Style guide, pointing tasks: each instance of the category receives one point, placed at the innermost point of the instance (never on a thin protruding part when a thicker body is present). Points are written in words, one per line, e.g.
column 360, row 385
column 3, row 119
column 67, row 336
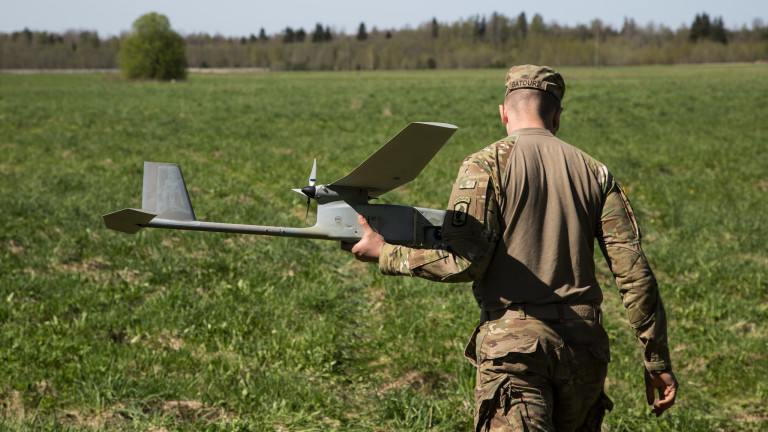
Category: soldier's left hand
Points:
column 666, row 385
column 369, row 247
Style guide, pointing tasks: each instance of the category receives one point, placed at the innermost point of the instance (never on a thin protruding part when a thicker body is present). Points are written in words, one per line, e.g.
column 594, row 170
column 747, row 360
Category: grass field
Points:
column 169, row 330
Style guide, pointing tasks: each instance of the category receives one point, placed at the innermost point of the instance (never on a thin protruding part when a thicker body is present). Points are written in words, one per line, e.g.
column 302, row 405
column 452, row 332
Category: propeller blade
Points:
column 309, row 190
column 313, row 174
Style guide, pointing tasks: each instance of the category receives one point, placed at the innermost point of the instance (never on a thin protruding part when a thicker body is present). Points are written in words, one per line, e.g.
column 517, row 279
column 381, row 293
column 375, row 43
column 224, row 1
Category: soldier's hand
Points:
column 369, row 247
column 666, row 385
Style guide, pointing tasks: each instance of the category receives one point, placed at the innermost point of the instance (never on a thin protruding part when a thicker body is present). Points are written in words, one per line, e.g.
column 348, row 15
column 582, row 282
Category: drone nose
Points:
column 309, row 191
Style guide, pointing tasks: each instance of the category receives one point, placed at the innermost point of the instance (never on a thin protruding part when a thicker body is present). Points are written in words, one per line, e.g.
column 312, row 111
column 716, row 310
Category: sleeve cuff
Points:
column 658, row 366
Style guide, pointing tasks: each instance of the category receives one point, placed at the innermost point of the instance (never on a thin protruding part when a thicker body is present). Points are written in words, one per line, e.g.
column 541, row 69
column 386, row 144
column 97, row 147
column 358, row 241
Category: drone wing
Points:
column 400, row 160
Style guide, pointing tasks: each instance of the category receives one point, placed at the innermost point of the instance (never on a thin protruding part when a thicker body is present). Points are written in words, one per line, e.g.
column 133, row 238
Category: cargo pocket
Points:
column 526, row 408
column 487, row 398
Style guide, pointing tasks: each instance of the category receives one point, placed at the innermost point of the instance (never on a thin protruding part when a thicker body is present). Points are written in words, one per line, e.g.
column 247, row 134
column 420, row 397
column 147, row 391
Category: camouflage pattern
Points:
column 535, row 77
column 537, row 375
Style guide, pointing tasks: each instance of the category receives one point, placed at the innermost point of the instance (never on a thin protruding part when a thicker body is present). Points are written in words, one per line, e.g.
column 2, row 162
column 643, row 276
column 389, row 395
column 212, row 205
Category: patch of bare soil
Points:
column 422, row 381
column 183, row 412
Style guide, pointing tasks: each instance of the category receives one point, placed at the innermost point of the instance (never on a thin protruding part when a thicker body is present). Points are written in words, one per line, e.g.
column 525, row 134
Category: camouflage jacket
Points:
column 521, row 223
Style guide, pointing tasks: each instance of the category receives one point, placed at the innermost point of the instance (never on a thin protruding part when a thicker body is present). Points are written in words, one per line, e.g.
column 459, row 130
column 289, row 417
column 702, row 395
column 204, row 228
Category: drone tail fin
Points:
column 165, row 193
column 164, row 197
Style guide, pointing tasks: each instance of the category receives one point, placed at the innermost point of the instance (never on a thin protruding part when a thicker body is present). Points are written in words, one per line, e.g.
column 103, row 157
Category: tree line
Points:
column 475, row 42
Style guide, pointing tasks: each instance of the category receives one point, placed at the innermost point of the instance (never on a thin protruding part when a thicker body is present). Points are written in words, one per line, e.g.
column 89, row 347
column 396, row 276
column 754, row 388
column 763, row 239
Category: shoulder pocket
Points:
column 466, row 209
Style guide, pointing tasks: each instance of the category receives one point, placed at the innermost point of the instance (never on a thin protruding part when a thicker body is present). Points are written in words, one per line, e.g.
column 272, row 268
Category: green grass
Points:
column 170, row 330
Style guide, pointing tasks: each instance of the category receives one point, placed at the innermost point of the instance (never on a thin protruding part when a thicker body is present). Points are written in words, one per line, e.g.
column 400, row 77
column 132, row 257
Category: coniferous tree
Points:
column 301, row 35
column 717, row 31
column 480, row 28
column 522, row 25
column 289, row 36
column 362, row 34
column 703, row 28
column 700, row 28
column 319, row 34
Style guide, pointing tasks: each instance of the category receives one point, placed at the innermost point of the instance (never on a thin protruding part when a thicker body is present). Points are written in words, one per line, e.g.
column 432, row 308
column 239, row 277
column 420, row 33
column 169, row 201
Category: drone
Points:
column 166, row 203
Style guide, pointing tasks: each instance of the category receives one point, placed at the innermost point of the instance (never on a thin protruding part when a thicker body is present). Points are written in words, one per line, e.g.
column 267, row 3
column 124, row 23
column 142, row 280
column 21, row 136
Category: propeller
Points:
column 309, row 190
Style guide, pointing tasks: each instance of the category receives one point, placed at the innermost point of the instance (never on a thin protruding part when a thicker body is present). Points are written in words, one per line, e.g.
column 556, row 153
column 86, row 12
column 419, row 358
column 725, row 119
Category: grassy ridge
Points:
column 167, row 329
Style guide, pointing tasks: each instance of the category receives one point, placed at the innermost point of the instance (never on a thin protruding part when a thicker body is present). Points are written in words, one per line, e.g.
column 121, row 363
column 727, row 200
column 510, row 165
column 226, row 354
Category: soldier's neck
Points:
column 526, row 123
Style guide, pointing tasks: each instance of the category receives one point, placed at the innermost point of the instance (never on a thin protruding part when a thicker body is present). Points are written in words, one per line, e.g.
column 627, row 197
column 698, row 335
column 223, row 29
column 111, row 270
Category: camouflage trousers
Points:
column 535, row 375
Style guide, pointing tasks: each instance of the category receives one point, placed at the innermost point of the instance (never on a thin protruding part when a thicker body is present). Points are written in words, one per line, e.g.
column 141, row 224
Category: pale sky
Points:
column 244, row 17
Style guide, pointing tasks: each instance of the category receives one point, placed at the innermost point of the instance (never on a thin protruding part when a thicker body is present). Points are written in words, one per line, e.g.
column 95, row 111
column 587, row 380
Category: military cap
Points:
column 535, row 77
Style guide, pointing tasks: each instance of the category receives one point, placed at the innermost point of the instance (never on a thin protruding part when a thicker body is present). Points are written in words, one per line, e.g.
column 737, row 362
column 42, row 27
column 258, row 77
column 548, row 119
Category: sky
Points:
column 245, row 17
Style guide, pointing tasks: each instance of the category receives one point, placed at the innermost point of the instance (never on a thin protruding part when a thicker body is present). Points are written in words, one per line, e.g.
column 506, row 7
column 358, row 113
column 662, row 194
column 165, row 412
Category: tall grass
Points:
column 169, row 330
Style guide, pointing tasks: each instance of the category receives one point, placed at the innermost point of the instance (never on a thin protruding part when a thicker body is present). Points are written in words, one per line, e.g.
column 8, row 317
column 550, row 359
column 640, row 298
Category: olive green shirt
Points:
column 521, row 224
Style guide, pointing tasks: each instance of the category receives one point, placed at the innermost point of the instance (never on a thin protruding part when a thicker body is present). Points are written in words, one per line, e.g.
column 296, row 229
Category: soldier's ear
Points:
column 503, row 114
column 556, row 120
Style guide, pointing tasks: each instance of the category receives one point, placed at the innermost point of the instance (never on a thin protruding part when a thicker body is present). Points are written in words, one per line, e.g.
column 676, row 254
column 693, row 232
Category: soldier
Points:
column 521, row 224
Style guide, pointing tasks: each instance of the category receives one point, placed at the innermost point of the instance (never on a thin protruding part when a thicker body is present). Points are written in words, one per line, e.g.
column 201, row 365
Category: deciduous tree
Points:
column 153, row 50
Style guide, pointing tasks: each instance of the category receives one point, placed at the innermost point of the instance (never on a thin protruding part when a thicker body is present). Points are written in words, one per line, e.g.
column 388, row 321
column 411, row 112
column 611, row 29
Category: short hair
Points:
column 525, row 99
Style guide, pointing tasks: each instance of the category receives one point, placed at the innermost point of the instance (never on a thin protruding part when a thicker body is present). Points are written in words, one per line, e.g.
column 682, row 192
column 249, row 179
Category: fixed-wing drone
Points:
column 166, row 204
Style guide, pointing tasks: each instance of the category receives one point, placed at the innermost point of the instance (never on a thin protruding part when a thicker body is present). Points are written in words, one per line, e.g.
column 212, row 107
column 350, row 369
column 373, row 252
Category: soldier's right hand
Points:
column 369, row 246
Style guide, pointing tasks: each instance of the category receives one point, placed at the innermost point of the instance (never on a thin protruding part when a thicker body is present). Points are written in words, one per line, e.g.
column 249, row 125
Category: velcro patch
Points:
column 460, row 210
column 468, row 184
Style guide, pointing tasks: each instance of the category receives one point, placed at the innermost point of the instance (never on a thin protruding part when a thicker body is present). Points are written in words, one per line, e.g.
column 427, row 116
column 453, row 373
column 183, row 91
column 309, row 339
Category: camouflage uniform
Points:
column 521, row 223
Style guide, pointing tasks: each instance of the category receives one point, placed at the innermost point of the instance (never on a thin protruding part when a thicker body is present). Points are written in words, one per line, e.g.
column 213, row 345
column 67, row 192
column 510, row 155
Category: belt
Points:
column 552, row 311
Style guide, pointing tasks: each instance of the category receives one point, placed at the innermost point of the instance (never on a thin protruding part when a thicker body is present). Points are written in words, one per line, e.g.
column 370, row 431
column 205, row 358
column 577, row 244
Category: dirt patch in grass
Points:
column 169, row 340
column 376, row 299
column 425, row 382
column 192, row 412
column 13, row 405
column 15, row 248
column 94, row 270
column 182, row 412
column 756, row 259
